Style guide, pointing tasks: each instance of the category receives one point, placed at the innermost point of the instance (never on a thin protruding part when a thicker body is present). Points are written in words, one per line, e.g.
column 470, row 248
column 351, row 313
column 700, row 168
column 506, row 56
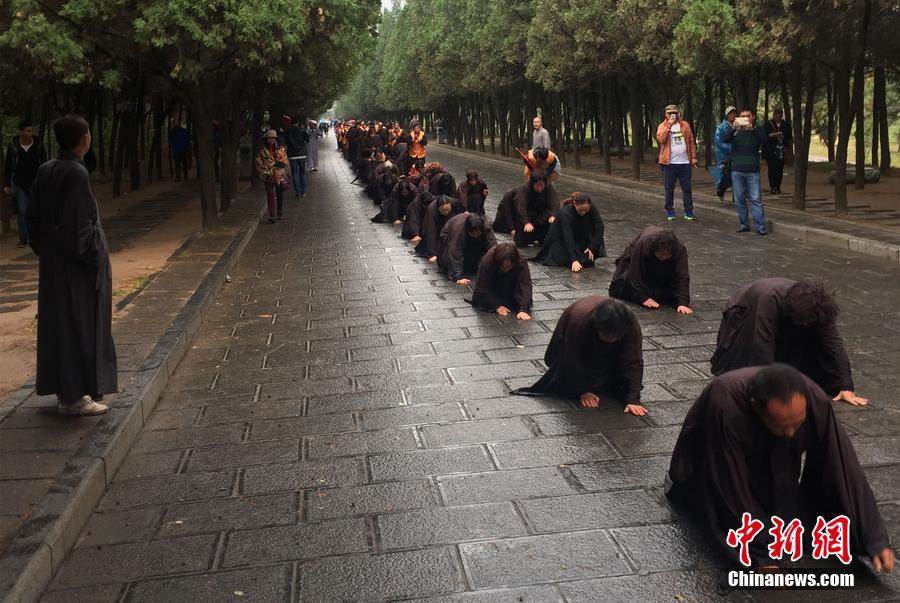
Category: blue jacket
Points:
column 723, row 149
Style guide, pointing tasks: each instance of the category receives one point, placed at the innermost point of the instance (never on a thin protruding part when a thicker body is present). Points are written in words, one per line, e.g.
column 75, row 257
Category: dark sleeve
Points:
column 728, row 134
column 462, row 193
column 635, row 274
column 430, row 234
column 681, row 279
column 833, row 477
column 552, row 201
column 483, row 296
column 490, row 239
column 630, row 365
column 454, row 251
column 8, row 166
column 78, row 234
column 390, row 207
column 568, row 236
column 521, row 205
column 597, row 243
column 33, row 216
column 835, row 363
column 414, row 216
column 522, row 293
column 424, row 141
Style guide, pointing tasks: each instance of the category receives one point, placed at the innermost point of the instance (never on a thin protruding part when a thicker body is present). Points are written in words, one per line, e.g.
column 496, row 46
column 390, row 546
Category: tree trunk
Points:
column 831, row 109
column 803, row 134
column 607, row 126
column 101, row 141
column 845, row 117
column 880, row 101
column 637, row 127
column 205, row 166
column 255, row 144
column 859, row 87
column 708, row 120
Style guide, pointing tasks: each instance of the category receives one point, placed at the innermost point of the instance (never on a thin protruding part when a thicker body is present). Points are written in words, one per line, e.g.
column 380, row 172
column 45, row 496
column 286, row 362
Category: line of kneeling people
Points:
column 762, row 437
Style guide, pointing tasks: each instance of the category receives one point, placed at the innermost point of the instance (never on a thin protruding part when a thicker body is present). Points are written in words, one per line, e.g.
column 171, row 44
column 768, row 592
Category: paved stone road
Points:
column 342, row 431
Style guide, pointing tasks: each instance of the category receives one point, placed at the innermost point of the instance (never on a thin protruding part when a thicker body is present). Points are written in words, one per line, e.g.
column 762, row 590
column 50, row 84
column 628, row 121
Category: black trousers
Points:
column 776, row 172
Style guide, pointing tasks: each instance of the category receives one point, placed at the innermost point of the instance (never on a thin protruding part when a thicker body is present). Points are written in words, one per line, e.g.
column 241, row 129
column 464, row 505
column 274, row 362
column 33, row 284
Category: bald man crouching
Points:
column 741, row 451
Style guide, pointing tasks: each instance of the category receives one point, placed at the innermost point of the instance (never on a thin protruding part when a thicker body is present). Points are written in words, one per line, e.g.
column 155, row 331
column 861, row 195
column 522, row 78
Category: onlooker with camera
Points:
column 723, row 152
column 76, row 356
column 779, row 137
column 746, row 140
column 24, row 155
column 677, row 153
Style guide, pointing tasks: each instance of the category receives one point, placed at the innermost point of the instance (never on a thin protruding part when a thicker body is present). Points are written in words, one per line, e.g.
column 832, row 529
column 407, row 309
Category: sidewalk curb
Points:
column 649, row 194
column 42, row 543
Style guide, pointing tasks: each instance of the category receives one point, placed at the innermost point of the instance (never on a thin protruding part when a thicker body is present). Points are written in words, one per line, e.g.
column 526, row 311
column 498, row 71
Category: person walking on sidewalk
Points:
column 76, row 356
column 296, row 143
column 312, row 155
column 24, row 156
column 746, row 140
column 540, row 137
column 270, row 164
column 677, row 153
column 723, row 153
column 779, row 137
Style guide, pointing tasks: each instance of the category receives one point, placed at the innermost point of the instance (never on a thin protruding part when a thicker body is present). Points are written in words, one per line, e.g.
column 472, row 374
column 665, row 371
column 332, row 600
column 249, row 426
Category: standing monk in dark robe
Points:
column 595, row 353
column 472, row 192
column 436, row 215
column 782, row 320
column 534, row 210
column 464, row 240
column 394, row 208
column 76, row 357
column 741, row 451
column 576, row 237
column 503, row 283
column 653, row 271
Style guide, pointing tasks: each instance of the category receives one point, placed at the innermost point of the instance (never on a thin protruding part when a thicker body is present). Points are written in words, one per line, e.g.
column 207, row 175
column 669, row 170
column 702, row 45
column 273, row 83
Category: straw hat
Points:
column 271, row 134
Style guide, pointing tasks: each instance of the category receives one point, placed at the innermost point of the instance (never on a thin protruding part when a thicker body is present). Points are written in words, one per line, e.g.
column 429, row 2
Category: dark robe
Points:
column 395, row 207
column 432, row 223
column 384, row 178
column 458, row 253
column 639, row 275
column 75, row 351
column 439, row 184
column 570, row 235
column 473, row 196
column 503, row 221
column 755, row 332
column 494, row 288
column 579, row 362
column 534, row 208
column 415, row 215
column 726, row 462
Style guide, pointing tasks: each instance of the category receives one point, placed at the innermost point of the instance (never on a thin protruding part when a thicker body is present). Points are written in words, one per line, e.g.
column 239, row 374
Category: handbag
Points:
column 279, row 175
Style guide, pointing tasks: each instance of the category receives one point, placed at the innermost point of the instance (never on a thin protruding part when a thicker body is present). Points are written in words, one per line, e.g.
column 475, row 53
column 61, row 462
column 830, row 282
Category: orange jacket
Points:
column 417, row 147
column 546, row 166
column 662, row 137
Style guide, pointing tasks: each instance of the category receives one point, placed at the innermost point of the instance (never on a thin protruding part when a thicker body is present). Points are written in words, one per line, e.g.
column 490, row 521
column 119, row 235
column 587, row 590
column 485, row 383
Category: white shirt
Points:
column 26, row 147
column 677, row 148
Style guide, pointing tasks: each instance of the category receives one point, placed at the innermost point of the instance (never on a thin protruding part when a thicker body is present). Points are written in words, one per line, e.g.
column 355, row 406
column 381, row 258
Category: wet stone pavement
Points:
column 341, row 429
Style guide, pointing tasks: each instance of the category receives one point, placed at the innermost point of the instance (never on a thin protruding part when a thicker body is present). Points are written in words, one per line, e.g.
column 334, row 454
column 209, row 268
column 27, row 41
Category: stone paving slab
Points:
column 342, row 430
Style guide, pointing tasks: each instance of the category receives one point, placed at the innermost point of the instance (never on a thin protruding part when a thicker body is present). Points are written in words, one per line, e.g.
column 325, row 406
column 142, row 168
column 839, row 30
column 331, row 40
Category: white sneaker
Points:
column 84, row 407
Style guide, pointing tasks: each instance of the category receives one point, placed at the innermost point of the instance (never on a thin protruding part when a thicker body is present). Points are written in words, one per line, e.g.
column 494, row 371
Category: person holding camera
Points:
column 677, row 153
column 746, row 140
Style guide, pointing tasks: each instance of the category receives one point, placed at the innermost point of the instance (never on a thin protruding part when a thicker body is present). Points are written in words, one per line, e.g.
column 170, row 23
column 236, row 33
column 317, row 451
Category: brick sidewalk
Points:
column 341, row 429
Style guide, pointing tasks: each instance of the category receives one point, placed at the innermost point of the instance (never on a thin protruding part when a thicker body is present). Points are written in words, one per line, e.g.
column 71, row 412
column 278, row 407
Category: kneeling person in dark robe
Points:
column 653, row 271
column 534, row 210
column 576, row 237
column 595, row 353
column 76, row 356
column 436, row 216
column 503, row 283
column 464, row 240
column 782, row 320
column 742, row 448
column 472, row 193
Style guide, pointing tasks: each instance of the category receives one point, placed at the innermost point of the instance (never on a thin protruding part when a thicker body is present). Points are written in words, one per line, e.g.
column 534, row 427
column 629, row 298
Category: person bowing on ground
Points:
column 765, row 441
column 576, row 237
column 472, row 192
column 595, row 355
column 464, row 240
column 503, row 283
column 436, row 215
column 653, row 271
column 783, row 320
column 534, row 210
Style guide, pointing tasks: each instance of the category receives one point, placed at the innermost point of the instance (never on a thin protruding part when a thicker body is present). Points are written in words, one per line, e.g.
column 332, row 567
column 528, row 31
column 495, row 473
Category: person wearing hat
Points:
column 723, row 152
column 677, row 153
column 270, row 164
